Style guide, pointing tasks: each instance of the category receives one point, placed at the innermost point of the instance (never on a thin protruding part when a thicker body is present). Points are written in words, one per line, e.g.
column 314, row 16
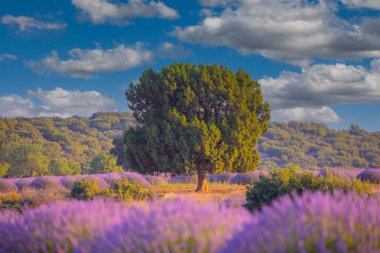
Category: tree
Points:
column 104, row 163
column 62, row 167
column 195, row 119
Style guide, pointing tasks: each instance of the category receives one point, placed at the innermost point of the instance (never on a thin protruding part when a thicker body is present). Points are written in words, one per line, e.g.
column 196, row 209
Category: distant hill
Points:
column 34, row 146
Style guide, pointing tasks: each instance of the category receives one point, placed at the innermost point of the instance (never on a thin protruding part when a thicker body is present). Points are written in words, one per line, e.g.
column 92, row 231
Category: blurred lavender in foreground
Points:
column 313, row 222
column 174, row 226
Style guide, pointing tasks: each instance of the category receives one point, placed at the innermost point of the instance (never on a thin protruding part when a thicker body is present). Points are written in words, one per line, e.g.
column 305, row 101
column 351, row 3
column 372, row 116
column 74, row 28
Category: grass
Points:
column 217, row 192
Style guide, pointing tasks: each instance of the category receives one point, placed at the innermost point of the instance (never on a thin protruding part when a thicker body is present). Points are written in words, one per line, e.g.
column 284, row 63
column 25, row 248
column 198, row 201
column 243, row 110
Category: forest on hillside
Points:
column 57, row 146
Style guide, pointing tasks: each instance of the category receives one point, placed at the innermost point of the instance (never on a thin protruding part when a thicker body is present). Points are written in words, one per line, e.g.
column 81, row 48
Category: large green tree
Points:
column 195, row 118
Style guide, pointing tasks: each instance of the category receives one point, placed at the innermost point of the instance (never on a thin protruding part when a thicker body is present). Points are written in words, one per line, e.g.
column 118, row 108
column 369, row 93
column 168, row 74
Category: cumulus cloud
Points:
column 7, row 57
column 307, row 95
column 101, row 11
column 372, row 4
column 28, row 23
column 84, row 63
column 291, row 31
column 171, row 51
column 58, row 102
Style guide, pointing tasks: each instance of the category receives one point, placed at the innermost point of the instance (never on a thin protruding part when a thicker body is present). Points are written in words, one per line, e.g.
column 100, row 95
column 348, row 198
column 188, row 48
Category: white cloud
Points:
column 171, row 51
column 216, row 3
column 291, row 31
column 372, row 4
column 7, row 57
column 101, row 11
column 84, row 63
column 308, row 95
column 322, row 114
column 28, row 23
column 57, row 102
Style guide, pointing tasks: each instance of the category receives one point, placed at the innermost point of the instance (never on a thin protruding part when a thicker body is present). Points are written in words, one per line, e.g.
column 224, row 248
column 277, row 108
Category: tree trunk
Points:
column 202, row 182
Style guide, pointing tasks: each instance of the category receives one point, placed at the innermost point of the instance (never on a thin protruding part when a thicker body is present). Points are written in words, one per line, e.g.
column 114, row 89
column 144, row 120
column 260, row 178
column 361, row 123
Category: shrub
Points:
column 57, row 228
column 155, row 180
column 370, row 175
column 221, row 178
column 68, row 181
column 99, row 180
column 125, row 190
column 183, row 179
column 313, row 222
column 135, row 178
column 341, row 172
column 45, row 183
column 7, row 186
column 174, row 226
column 286, row 181
column 36, row 197
column 24, row 182
column 11, row 200
column 246, row 178
column 85, row 189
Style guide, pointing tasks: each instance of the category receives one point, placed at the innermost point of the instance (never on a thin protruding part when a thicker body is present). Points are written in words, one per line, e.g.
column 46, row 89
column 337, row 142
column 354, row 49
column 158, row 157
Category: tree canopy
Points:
column 195, row 118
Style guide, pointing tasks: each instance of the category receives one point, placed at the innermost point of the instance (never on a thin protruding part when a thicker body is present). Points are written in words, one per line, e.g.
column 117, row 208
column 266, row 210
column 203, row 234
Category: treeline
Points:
column 312, row 145
column 56, row 146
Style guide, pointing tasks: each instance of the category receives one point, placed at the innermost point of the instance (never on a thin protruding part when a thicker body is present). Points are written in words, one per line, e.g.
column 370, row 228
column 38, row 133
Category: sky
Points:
column 316, row 60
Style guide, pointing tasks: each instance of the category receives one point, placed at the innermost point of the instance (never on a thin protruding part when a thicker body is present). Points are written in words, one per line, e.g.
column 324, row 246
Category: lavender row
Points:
column 313, row 222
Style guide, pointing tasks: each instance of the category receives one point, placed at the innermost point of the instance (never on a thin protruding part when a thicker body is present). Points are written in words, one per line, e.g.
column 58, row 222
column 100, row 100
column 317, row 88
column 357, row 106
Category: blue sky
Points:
column 316, row 60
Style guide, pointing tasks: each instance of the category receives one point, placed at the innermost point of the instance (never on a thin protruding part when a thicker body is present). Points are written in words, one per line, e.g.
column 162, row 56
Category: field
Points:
column 129, row 212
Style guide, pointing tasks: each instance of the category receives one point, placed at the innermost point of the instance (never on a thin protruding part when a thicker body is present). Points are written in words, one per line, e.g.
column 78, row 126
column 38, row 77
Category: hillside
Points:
column 43, row 146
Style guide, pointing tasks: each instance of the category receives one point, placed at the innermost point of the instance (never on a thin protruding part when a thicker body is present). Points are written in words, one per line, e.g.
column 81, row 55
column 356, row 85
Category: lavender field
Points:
column 175, row 220
column 313, row 222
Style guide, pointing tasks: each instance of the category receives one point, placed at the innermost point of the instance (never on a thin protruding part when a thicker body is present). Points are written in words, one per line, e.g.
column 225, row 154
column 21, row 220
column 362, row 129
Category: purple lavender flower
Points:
column 341, row 172
column 183, row 179
column 313, row 222
column 175, row 226
column 135, row 178
column 370, row 175
column 46, row 182
column 247, row 178
column 7, row 185
column 24, row 182
column 221, row 178
column 57, row 228
column 155, row 180
column 68, row 181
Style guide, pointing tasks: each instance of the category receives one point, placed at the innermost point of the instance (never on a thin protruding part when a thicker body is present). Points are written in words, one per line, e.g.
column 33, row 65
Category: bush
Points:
column 370, row 175
column 221, row 178
column 183, row 179
column 313, row 222
column 85, row 189
column 155, row 180
column 246, row 178
column 135, row 178
column 286, row 181
column 11, row 200
column 46, row 183
column 341, row 172
column 125, row 190
column 7, row 186
column 99, row 180
column 174, row 226
column 68, row 181
column 24, row 182
column 36, row 197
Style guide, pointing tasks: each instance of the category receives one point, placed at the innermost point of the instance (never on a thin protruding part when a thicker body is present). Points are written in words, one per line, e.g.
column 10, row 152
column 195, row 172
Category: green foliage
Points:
column 195, row 118
column 56, row 146
column 126, row 190
column 85, row 189
column 4, row 168
column 104, row 163
column 313, row 145
column 286, row 181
